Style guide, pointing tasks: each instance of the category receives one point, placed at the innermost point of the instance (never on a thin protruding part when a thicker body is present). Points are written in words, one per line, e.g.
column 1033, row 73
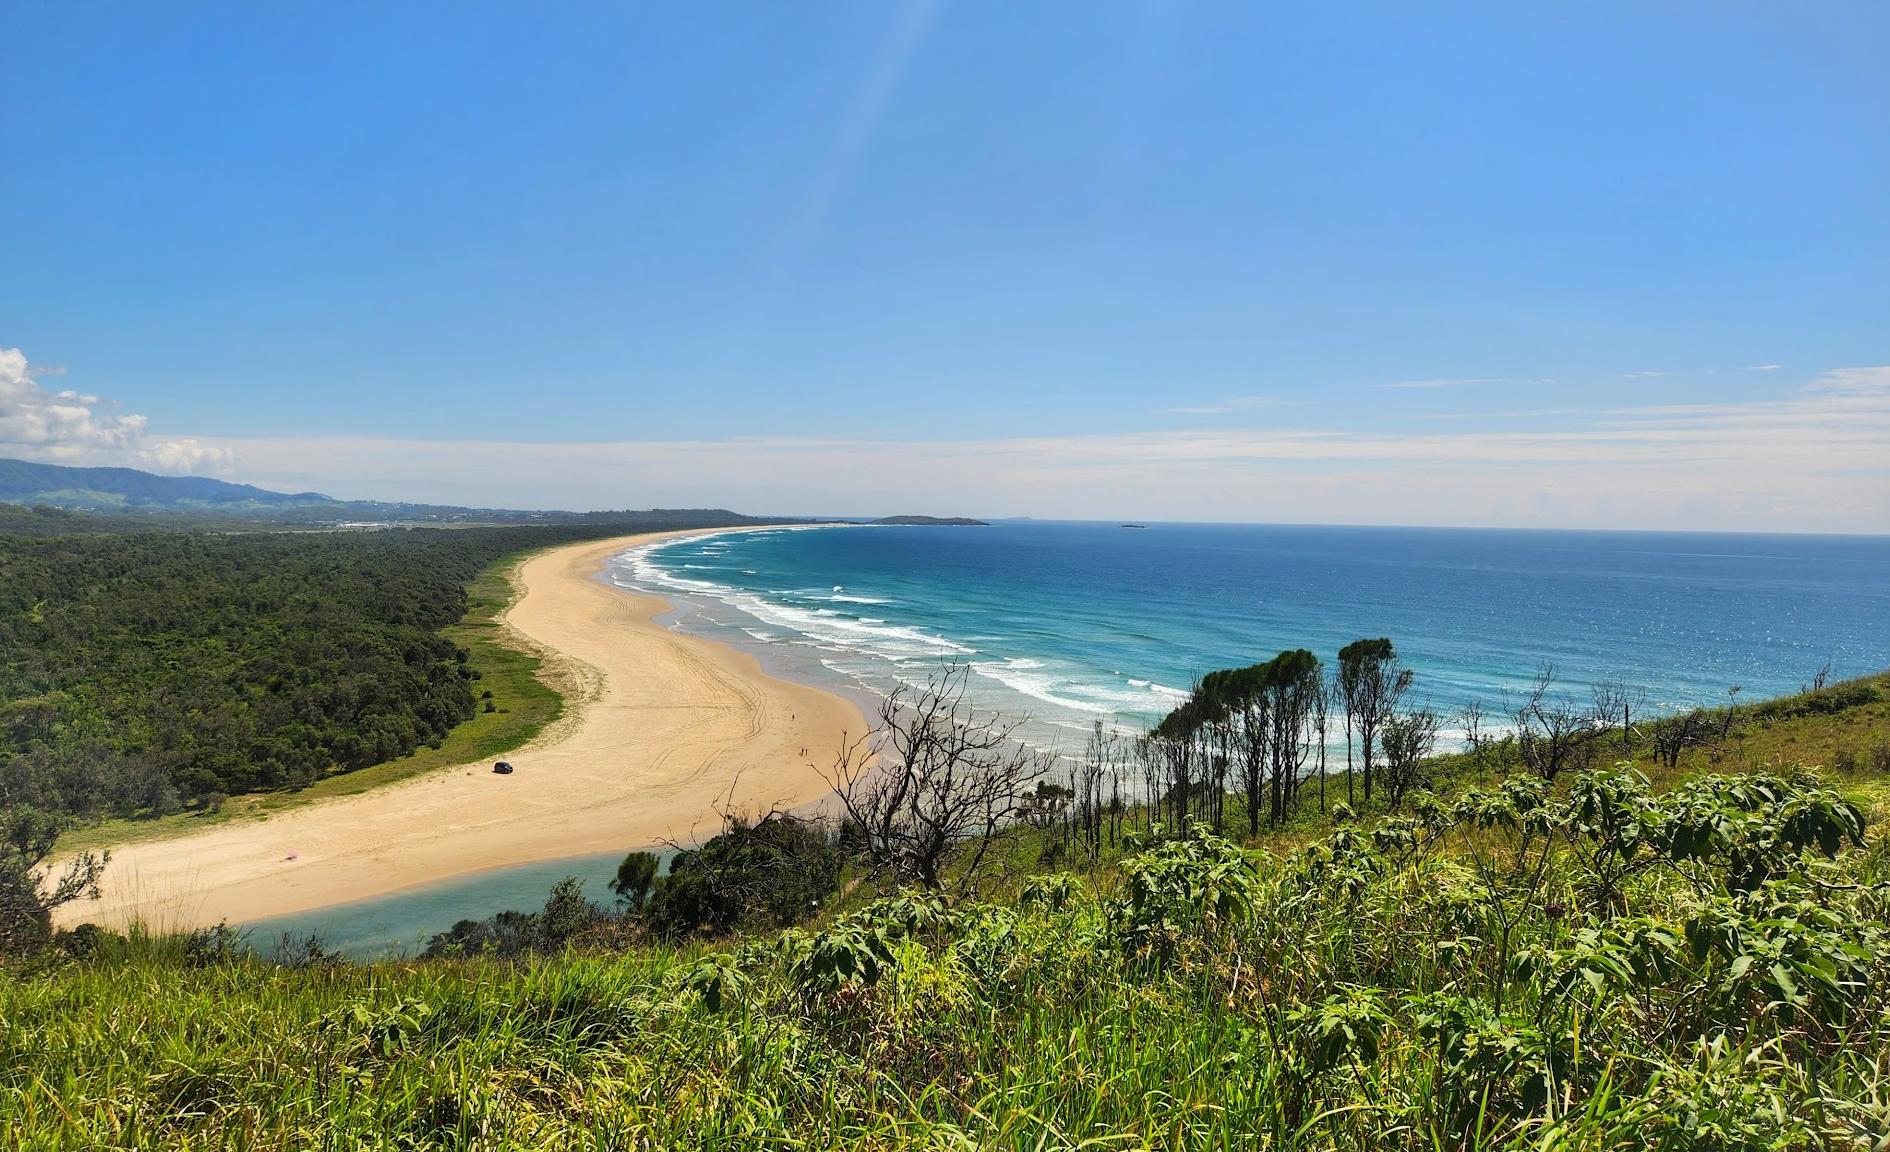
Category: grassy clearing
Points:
column 522, row 706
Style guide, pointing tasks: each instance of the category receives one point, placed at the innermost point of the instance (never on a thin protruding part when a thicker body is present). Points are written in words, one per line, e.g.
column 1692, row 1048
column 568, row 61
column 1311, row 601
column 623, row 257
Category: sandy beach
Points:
column 657, row 728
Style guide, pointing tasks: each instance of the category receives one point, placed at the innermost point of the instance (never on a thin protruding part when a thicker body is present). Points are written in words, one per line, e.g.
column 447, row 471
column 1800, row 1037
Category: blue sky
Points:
column 1581, row 264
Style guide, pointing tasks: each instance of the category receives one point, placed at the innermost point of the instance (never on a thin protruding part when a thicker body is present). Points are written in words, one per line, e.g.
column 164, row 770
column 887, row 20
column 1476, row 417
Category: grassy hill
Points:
column 1695, row 957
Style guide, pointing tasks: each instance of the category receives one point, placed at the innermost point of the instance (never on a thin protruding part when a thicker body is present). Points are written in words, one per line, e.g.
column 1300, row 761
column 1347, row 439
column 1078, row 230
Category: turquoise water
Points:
column 1073, row 623
column 400, row 924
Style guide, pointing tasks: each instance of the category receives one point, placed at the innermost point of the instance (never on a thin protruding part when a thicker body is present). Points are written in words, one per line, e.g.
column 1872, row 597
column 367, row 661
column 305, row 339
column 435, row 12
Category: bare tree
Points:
column 1732, row 708
column 1822, row 675
column 1087, row 782
column 1407, row 741
column 934, row 777
column 1474, row 736
column 1675, row 734
column 1609, row 707
column 1552, row 732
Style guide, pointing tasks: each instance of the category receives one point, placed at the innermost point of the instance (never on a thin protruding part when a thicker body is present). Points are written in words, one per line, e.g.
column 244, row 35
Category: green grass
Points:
column 1313, row 1002
column 523, row 706
column 1319, row 990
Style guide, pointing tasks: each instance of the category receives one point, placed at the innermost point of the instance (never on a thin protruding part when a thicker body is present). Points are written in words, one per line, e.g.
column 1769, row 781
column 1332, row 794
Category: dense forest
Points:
column 143, row 671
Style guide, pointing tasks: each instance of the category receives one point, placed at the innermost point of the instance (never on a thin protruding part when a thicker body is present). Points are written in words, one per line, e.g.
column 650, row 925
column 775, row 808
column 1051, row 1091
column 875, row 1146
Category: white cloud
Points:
column 1816, row 459
column 183, row 457
column 68, row 427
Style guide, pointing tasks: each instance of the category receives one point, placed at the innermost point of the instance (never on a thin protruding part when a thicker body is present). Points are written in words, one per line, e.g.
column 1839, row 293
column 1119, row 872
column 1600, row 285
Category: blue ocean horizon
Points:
column 1072, row 623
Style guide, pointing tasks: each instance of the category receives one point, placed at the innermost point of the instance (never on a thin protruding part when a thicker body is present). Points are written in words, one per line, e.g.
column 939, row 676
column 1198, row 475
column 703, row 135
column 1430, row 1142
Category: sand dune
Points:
column 658, row 727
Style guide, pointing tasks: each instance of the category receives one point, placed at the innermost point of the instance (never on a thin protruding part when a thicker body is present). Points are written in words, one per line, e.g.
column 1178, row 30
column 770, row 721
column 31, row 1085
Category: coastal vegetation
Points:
column 1281, row 917
column 1605, row 968
column 1626, row 955
column 153, row 679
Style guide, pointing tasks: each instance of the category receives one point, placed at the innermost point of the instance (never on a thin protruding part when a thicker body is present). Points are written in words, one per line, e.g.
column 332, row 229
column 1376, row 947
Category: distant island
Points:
column 1135, row 525
column 944, row 521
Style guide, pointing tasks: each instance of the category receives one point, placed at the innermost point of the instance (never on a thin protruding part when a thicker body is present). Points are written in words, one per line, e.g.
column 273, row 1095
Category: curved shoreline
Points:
column 659, row 729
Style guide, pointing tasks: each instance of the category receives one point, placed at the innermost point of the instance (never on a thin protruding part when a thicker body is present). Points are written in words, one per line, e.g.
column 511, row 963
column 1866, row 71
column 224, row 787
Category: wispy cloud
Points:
column 1663, row 374
column 1816, row 458
column 1223, row 407
column 69, row 427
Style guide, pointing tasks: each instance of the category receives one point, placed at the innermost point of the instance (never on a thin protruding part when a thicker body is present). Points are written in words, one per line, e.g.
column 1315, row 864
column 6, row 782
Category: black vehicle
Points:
column 502, row 768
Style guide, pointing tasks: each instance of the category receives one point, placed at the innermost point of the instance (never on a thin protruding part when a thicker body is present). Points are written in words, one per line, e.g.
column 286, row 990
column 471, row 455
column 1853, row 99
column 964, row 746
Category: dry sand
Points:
column 658, row 727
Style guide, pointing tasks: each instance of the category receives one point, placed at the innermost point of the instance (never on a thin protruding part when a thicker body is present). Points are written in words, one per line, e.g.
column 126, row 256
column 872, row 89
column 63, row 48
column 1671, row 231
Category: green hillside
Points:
column 1625, row 959
column 24, row 482
column 125, row 499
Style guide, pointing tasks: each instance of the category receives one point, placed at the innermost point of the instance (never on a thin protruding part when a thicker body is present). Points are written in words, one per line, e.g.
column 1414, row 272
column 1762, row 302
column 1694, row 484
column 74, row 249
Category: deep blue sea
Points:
column 1069, row 623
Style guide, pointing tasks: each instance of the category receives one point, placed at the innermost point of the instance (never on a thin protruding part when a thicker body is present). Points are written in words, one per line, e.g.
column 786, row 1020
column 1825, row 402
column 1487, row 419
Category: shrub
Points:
column 1186, row 886
column 566, row 916
column 768, row 874
column 635, row 876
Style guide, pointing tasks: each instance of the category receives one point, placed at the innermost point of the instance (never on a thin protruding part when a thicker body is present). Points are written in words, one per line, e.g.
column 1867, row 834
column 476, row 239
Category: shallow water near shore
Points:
column 400, row 924
column 1075, row 623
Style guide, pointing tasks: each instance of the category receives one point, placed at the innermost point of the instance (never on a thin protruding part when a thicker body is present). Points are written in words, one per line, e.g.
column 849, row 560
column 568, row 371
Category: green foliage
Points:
column 143, row 671
column 29, row 890
column 766, row 874
column 1185, row 886
column 566, row 916
column 635, row 877
column 1702, row 969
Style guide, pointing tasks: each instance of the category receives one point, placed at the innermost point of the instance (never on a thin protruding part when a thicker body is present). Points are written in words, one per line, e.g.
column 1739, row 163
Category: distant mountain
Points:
column 131, row 498
column 947, row 521
column 23, row 482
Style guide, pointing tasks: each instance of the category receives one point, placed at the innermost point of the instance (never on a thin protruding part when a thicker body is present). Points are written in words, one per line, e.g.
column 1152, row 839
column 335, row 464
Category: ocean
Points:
column 1070, row 623
column 1067, row 624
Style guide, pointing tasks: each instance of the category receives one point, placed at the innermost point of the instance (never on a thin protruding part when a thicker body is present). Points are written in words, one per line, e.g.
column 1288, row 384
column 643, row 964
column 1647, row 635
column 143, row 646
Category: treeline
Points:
column 144, row 671
column 1247, row 746
column 1252, row 746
